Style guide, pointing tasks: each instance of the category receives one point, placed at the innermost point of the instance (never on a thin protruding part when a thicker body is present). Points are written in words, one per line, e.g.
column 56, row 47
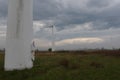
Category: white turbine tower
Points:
column 19, row 35
column 53, row 37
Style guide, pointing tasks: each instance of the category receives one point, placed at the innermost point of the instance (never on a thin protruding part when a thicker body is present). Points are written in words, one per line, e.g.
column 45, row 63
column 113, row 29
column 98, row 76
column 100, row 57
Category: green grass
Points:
column 67, row 67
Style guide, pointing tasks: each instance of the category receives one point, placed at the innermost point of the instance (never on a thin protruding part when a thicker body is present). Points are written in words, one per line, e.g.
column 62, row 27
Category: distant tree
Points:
column 50, row 49
column 119, row 49
column 102, row 48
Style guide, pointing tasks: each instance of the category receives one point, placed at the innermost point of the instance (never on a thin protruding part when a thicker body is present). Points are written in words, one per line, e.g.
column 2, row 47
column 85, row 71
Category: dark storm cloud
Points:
column 103, row 14
column 96, row 3
column 45, row 9
column 100, row 13
column 3, row 8
column 73, row 19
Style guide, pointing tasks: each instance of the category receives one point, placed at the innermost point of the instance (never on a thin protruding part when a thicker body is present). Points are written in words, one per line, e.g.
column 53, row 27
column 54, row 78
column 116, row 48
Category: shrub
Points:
column 50, row 49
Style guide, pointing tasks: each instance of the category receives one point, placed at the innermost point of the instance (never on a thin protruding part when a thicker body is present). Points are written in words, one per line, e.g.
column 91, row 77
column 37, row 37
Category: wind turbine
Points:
column 19, row 35
column 53, row 37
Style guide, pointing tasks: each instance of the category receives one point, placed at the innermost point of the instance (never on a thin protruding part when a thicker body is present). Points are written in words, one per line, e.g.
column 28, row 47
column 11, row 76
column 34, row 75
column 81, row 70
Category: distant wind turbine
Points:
column 53, row 37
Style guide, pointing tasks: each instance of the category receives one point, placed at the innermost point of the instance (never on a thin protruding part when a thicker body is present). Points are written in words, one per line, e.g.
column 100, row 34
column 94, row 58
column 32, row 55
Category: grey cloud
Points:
column 75, row 13
column 98, row 4
column 45, row 9
column 63, row 17
column 3, row 8
column 66, row 14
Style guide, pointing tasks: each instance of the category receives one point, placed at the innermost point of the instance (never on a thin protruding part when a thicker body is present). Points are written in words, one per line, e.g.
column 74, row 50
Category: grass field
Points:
column 78, row 65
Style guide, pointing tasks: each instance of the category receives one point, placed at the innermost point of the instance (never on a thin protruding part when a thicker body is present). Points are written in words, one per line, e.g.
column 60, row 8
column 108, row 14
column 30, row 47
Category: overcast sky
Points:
column 79, row 23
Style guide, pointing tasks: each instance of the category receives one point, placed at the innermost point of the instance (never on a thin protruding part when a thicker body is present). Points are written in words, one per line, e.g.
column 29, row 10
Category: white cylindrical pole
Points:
column 53, row 39
column 19, row 35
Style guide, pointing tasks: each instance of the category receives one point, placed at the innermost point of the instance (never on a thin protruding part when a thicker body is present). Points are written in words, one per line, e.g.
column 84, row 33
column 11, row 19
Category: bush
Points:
column 50, row 49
